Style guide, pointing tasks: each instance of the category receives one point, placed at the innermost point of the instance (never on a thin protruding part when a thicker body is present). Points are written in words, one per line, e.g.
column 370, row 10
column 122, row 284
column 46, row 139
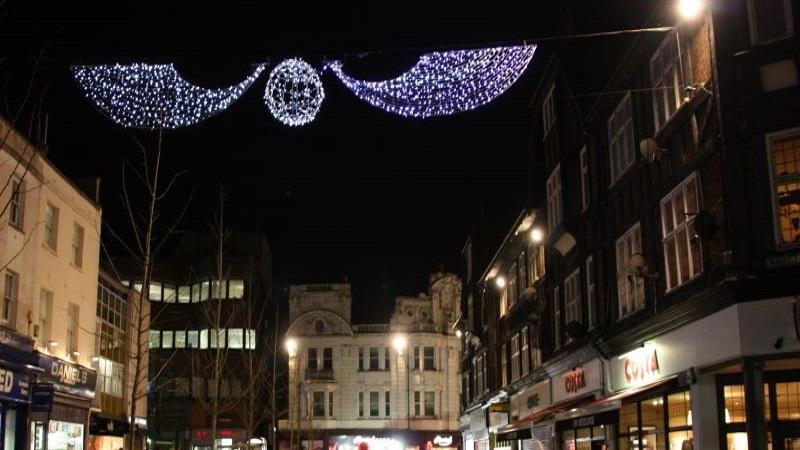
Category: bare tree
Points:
column 142, row 196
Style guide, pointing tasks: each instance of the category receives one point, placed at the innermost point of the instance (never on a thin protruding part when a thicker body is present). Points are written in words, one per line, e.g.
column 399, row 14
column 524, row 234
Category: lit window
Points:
column 166, row 339
column 770, row 20
column 155, row 339
column 236, row 338
column 681, row 252
column 196, row 293
column 548, row 111
column 666, row 79
column 251, row 339
column 218, row 289
column 236, row 289
column 184, row 294
column 180, row 339
column 523, row 336
column 51, row 226
column 784, row 149
column 555, row 208
column 514, row 357
column 535, row 263
column 77, row 246
column 620, row 138
column 169, row 293
column 155, row 291
column 503, row 301
column 630, row 288
column 204, row 339
column 572, row 297
column 585, row 186
column 193, row 339
column 204, row 290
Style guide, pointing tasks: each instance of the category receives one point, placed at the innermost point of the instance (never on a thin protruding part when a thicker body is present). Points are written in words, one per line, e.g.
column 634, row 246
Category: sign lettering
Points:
column 443, row 441
column 574, row 381
column 533, row 401
column 641, row 365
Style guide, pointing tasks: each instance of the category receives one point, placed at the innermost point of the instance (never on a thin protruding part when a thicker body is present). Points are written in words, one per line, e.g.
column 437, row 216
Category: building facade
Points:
column 207, row 341
column 392, row 385
column 663, row 312
column 49, row 245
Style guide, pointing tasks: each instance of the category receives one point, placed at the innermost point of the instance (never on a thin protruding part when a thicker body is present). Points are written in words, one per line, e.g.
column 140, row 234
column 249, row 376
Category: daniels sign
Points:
column 641, row 365
column 67, row 376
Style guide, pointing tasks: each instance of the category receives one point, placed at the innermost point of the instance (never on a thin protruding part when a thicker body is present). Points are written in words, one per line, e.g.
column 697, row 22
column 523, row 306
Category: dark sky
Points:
column 380, row 198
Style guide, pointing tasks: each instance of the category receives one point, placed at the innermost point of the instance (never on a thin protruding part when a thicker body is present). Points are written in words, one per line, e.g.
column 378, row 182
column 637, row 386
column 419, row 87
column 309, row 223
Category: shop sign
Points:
column 603, row 418
column 42, row 398
column 67, row 376
column 443, row 441
column 530, row 400
column 14, row 385
column 15, row 340
column 785, row 260
column 641, row 365
column 579, row 381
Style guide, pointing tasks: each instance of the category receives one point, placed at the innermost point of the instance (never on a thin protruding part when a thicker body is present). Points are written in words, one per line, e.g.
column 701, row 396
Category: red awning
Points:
column 551, row 410
column 636, row 390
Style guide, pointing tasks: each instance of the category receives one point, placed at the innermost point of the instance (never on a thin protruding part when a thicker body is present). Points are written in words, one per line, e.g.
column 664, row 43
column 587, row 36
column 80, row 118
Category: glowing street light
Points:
column 689, row 9
column 291, row 347
column 500, row 282
column 400, row 342
column 459, row 333
column 537, row 235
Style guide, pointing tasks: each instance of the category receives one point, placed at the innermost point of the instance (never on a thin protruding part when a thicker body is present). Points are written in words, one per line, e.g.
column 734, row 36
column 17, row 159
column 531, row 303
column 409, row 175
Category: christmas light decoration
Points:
column 154, row 96
column 294, row 92
column 444, row 83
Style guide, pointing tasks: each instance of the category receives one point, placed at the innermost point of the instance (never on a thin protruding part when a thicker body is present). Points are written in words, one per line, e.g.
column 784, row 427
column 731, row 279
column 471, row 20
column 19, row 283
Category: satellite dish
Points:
column 475, row 341
column 637, row 265
column 650, row 150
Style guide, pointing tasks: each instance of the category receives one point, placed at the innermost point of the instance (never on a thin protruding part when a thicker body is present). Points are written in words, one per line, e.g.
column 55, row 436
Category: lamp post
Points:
column 400, row 343
column 291, row 349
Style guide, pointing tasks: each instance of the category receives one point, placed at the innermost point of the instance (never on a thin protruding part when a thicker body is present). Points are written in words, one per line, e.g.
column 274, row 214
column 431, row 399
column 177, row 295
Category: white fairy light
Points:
column 444, row 83
column 294, row 92
column 154, row 96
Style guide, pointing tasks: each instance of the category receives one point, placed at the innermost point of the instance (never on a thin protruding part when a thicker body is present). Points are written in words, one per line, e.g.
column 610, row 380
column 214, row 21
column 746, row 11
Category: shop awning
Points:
column 635, row 390
column 545, row 414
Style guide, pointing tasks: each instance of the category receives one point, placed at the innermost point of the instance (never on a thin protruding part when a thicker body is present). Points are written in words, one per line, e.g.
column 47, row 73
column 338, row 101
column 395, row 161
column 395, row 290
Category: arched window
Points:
column 319, row 326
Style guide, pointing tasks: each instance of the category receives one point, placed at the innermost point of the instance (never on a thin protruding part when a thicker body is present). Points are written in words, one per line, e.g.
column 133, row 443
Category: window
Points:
column 666, row 80
column 73, row 313
column 45, row 313
column 196, row 293
column 503, row 302
column 180, row 339
column 557, row 317
column 204, row 290
column 572, row 297
column 784, row 151
column 548, row 112
column 155, row 339
column 330, row 404
column 770, row 20
column 478, row 363
column 51, row 226
column 504, row 364
column 417, row 359
column 555, row 209
column 360, row 404
column 236, row 338
column 327, row 358
column 536, row 354
column 251, row 339
column 522, row 273
column 681, row 251
column 236, row 289
column 430, row 358
column 184, row 294
column 318, row 404
column 662, row 422
column 169, row 293
column 512, row 287
column 386, row 364
column 193, row 339
column 374, row 358
column 591, row 295
column 524, row 351
column 311, row 363
column 319, row 327
column 203, row 339
column 77, row 246
column 387, row 404
column 218, row 289
column 630, row 289
column 585, row 186
column 535, row 263
column 430, row 404
column 374, row 407
column 16, row 207
column 620, row 138
column 10, row 295
column 166, row 339
column 417, row 403
column 155, row 291
column 514, row 357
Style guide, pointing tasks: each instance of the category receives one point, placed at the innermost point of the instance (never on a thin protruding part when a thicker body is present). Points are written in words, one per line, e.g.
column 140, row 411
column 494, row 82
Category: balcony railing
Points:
column 387, row 328
column 319, row 374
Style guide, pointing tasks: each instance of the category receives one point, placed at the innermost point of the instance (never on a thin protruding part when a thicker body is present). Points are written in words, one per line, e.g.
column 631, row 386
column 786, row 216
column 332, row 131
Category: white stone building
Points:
column 49, row 255
column 393, row 385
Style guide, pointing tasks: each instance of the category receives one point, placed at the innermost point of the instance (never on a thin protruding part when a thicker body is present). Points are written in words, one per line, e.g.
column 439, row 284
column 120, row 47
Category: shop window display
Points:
column 65, row 436
column 661, row 422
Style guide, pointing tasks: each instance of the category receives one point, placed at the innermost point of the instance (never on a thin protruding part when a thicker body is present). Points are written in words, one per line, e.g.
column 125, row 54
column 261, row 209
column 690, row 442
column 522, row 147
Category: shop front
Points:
column 382, row 440
column 581, row 423
column 61, row 400
column 226, row 438
column 106, row 433
column 16, row 353
column 479, row 424
column 524, row 406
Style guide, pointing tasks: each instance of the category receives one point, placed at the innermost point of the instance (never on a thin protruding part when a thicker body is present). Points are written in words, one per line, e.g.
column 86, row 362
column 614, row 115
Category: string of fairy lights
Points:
column 441, row 83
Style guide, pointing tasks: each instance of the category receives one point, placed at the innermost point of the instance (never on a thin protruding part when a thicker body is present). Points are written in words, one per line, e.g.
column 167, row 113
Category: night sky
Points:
column 382, row 199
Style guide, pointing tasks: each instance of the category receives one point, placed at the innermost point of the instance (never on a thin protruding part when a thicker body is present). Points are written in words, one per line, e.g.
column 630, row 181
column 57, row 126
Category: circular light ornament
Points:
column 294, row 92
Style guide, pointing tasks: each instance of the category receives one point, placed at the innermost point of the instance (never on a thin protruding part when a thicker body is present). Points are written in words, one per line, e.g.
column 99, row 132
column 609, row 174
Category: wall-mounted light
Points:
column 537, row 235
column 52, row 343
column 500, row 282
column 689, row 9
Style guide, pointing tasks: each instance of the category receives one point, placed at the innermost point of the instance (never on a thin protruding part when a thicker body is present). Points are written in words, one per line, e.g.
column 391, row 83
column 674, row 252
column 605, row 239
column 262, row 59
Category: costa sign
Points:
column 641, row 365
column 574, row 381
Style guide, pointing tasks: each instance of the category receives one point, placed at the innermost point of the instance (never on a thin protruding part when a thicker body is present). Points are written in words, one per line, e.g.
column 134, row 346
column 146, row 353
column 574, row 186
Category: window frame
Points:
column 51, row 219
column 623, row 274
column 788, row 19
column 16, row 205
column 525, row 357
column 775, row 181
column 555, row 201
column 657, row 78
column 573, row 300
column 504, row 364
column 515, row 358
column 549, row 113
column 10, row 298
column 78, row 239
column 557, row 342
column 617, row 135
column 687, row 227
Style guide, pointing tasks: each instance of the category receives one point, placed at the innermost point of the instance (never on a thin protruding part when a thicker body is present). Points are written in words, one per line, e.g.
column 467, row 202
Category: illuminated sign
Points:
column 574, row 381
column 443, row 441
column 641, row 365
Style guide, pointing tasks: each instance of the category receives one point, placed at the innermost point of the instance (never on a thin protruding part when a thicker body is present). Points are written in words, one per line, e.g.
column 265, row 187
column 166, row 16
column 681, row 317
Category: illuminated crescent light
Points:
column 154, row 96
column 444, row 83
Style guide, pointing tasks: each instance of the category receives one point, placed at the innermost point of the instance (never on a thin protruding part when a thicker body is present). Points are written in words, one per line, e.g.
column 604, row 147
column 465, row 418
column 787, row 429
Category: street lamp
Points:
column 689, row 9
column 291, row 347
column 400, row 342
column 537, row 235
column 500, row 282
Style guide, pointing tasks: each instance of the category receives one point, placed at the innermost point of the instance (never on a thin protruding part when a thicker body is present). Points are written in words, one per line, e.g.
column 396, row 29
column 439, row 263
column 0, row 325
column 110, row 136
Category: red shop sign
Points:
column 574, row 381
column 641, row 365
